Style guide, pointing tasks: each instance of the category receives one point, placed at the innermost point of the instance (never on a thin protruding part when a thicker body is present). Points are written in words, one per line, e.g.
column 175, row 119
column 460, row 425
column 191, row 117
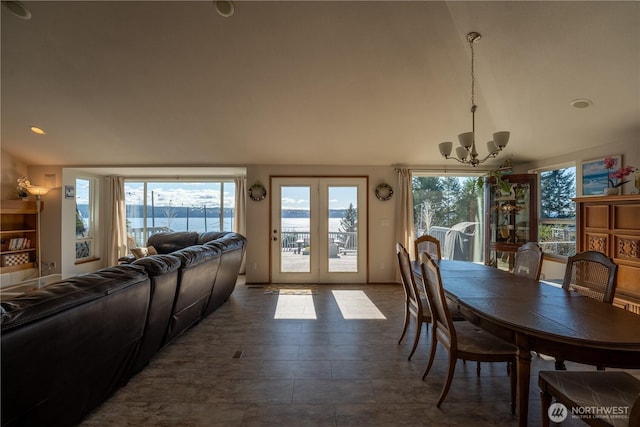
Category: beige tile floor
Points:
column 326, row 371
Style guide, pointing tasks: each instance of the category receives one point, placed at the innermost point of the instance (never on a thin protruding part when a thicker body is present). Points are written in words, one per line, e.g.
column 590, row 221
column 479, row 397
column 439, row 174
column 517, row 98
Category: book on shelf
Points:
column 19, row 243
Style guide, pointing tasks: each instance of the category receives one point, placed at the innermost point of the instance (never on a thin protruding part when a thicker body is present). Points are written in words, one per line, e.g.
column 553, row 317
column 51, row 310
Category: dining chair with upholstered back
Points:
column 588, row 389
column 428, row 244
column 414, row 306
column 462, row 340
column 593, row 274
column 528, row 261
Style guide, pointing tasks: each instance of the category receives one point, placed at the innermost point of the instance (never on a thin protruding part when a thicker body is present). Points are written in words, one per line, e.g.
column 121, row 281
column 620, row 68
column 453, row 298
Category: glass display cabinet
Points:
column 511, row 217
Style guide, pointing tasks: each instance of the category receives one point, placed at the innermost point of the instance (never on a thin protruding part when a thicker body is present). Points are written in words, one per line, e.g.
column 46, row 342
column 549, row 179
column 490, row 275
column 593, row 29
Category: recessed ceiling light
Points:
column 225, row 8
column 581, row 103
column 37, row 130
column 18, row 9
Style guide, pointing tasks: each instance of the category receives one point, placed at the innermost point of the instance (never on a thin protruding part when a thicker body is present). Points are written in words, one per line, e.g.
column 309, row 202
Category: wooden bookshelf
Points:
column 18, row 222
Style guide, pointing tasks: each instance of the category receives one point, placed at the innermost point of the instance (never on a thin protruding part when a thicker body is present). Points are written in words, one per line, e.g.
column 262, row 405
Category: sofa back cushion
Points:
column 165, row 243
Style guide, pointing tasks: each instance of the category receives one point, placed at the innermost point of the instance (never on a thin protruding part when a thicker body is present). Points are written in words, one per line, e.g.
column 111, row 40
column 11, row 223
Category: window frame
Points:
column 223, row 181
column 91, row 239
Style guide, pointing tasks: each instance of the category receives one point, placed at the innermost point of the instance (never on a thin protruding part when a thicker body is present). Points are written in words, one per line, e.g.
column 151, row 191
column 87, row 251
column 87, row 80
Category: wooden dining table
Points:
column 537, row 316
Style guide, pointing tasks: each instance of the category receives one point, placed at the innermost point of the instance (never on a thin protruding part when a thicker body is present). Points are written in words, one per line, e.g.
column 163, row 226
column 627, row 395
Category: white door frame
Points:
column 318, row 261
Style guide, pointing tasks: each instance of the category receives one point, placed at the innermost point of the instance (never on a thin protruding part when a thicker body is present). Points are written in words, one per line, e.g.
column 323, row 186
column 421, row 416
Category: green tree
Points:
column 557, row 188
column 349, row 222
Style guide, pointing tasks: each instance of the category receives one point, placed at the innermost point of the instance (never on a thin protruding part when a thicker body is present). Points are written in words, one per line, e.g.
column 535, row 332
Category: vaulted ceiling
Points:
column 351, row 83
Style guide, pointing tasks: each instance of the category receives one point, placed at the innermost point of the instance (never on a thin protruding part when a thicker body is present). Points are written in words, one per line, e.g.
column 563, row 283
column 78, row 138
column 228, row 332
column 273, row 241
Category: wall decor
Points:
column 69, row 192
column 257, row 192
column 384, row 192
column 595, row 177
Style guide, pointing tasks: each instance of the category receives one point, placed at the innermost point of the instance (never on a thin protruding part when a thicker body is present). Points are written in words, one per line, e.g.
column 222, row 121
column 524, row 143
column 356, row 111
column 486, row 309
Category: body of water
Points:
column 213, row 224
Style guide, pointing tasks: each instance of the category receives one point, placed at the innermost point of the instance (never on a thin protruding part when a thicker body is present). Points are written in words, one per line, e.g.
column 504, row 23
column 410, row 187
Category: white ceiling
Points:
column 351, row 83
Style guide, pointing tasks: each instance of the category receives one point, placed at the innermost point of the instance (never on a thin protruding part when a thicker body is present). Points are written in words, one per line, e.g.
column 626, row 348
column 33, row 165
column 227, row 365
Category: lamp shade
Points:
column 461, row 152
column 445, row 148
column 501, row 139
column 37, row 191
column 466, row 139
column 492, row 148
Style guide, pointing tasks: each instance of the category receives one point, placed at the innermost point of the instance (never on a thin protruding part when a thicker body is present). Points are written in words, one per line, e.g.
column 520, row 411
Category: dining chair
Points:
column 529, row 261
column 588, row 389
column 593, row 274
column 428, row 244
column 462, row 340
column 414, row 306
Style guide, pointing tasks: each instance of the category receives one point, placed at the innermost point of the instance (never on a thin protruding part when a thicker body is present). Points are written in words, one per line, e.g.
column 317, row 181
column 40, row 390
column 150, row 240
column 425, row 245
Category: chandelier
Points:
column 466, row 152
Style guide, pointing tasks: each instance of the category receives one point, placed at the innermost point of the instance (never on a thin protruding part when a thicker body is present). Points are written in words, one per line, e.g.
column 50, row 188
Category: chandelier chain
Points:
column 473, row 78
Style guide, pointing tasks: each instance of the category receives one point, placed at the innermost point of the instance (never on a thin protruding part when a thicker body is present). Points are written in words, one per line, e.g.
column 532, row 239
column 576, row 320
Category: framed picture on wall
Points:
column 595, row 176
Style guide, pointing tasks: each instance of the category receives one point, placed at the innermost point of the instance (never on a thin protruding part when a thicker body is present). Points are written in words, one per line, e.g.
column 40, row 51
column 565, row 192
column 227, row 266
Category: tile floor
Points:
column 326, row 371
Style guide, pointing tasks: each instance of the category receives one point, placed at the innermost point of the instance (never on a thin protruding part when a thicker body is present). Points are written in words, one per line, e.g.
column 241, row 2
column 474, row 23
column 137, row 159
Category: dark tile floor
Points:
column 328, row 371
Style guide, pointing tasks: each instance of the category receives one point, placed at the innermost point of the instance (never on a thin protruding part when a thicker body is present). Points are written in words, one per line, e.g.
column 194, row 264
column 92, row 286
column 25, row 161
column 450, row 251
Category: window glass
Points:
column 85, row 218
column 557, row 225
column 450, row 209
column 160, row 206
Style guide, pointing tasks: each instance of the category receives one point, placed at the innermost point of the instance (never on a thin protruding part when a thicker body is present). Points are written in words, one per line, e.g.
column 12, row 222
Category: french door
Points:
column 318, row 230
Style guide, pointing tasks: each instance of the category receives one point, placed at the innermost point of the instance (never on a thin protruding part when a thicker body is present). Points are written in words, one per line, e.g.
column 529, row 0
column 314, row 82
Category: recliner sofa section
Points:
column 68, row 346
column 163, row 275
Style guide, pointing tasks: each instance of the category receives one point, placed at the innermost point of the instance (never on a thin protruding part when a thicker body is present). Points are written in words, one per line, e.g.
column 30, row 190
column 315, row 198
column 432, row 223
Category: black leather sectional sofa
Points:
column 67, row 347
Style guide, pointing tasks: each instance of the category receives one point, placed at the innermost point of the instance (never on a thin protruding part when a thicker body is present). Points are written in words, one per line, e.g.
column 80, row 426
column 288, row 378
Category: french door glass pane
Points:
column 295, row 226
column 343, row 228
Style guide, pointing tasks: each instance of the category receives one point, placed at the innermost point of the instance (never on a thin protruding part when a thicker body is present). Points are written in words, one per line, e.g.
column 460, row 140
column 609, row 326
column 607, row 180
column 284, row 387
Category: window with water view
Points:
column 160, row 206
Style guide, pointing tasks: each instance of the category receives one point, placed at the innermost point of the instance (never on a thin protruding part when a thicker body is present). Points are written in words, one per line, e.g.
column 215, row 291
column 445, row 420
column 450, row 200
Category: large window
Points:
column 557, row 224
column 85, row 218
column 159, row 206
column 450, row 209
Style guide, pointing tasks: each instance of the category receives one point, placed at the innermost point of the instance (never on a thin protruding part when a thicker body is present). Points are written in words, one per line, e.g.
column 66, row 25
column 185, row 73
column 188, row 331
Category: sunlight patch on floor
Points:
column 299, row 306
column 356, row 305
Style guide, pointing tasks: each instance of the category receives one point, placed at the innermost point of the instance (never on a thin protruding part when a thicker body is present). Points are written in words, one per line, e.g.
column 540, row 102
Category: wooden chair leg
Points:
column 447, row 384
column 545, row 399
column 513, row 376
column 416, row 338
column 432, row 353
column 478, row 368
column 406, row 323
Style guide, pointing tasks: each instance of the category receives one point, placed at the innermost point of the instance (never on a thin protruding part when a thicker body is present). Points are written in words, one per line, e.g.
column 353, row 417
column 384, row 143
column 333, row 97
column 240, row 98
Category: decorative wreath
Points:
column 257, row 192
column 384, row 192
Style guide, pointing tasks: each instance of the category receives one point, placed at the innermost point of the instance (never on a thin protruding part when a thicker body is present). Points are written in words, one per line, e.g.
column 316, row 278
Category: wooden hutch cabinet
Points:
column 511, row 218
column 611, row 225
column 18, row 235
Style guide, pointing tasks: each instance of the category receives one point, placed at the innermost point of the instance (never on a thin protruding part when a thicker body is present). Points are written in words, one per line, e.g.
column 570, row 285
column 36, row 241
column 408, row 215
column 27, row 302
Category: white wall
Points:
column 381, row 263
